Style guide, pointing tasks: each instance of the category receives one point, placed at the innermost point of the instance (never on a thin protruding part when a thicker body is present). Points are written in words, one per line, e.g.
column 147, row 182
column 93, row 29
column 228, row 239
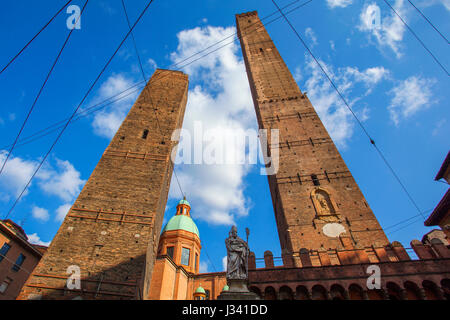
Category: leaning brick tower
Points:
column 111, row 233
column 317, row 202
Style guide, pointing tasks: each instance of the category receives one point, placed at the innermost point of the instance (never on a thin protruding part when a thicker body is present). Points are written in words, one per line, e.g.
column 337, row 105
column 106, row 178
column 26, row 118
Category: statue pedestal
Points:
column 238, row 291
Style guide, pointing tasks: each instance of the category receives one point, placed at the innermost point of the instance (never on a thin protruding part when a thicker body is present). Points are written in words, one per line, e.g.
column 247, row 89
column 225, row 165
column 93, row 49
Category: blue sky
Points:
column 391, row 82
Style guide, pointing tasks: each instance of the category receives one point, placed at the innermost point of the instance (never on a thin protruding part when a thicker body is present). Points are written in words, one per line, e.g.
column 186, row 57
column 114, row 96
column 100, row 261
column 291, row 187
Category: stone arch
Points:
column 412, row 291
column 445, row 285
column 394, row 291
column 337, row 292
column 301, row 293
column 431, row 290
column 286, row 293
column 355, row 292
column 270, row 293
column 319, row 293
column 323, row 202
column 255, row 290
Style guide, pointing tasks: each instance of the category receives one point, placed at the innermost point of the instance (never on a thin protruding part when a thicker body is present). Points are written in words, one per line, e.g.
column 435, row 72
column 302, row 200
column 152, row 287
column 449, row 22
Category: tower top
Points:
column 247, row 14
column 182, row 219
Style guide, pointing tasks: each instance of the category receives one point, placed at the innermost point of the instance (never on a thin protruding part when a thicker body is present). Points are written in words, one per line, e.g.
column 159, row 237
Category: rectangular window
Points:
column 145, row 134
column 185, row 256
column 315, row 180
column 4, row 286
column 4, row 250
column 196, row 262
column 170, row 252
column 19, row 263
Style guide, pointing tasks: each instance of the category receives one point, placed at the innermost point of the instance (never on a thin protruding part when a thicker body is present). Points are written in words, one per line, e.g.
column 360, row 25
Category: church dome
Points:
column 181, row 222
column 200, row 290
column 184, row 201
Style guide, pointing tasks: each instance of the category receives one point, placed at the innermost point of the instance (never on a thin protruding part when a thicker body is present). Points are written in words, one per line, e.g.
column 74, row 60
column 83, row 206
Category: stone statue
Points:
column 324, row 205
column 237, row 256
column 237, row 269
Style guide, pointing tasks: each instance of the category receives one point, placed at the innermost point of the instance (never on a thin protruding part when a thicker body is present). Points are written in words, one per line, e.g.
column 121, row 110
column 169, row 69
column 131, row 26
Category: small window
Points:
column 4, row 250
column 19, row 263
column 196, row 262
column 170, row 252
column 315, row 180
column 4, row 286
column 208, row 294
column 185, row 256
column 145, row 134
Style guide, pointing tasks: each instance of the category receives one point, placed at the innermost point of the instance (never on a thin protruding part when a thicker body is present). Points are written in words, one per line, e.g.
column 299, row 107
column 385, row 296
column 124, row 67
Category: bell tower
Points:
column 316, row 200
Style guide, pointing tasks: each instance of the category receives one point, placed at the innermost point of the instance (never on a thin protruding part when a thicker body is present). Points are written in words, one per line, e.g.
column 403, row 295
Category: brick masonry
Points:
column 112, row 230
column 313, row 187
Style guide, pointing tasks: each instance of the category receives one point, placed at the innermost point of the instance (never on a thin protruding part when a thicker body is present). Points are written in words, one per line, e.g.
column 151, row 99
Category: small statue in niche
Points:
column 322, row 202
column 324, row 205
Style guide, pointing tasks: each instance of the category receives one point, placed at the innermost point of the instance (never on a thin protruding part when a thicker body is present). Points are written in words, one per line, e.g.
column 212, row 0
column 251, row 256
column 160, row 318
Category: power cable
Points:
column 40, row 92
column 78, row 107
column 171, row 66
column 151, row 101
column 35, row 36
column 418, row 39
column 429, row 22
column 350, row 109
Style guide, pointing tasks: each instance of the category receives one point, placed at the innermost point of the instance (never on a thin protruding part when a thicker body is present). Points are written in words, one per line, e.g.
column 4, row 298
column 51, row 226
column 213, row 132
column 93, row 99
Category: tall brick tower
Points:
column 112, row 231
column 317, row 202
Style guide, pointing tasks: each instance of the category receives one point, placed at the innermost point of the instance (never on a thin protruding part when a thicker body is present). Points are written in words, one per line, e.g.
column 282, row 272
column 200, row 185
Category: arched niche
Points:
column 323, row 203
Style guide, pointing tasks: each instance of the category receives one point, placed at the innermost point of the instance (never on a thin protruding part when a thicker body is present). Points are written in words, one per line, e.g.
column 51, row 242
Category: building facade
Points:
column 330, row 239
column 18, row 258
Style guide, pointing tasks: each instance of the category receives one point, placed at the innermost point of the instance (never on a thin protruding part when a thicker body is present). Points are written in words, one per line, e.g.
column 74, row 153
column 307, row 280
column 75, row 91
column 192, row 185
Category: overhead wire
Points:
column 372, row 141
column 77, row 108
column 34, row 37
column 40, row 92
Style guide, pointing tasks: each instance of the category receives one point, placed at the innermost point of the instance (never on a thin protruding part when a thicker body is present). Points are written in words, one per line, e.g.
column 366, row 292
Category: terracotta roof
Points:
column 16, row 228
column 443, row 167
column 15, row 232
column 440, row 211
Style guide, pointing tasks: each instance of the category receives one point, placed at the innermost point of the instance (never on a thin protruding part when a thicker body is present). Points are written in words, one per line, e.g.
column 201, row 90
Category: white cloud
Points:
column 224, row 263
column 64, row 182
column 438, row 126
column 35, row 239
column 339, row 3
column 40, row 213
column 152, row 64
column 409, row 97
column 62, row 211
column 203, row 267
column 332, row 45
column 429, row 3
column 387, row 31
column 312, row 36
column 107, row 122
column 15, row 175
column 60, row 179
column 220, row 100
column 334, row 114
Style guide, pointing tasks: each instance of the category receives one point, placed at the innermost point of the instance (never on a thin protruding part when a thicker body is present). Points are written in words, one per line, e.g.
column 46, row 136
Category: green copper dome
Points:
column 184, row 201
column 226, row 288
column 200, row 290
column 181, row 222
